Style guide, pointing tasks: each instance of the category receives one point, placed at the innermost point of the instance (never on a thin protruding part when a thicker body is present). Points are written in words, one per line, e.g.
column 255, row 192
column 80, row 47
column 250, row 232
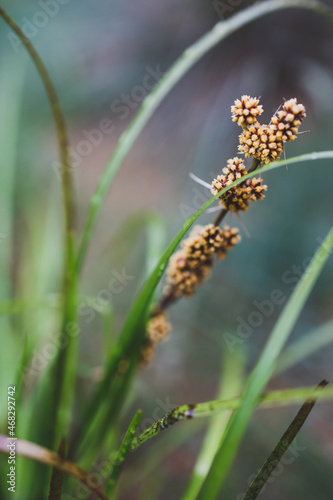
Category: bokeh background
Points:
column 98, row 54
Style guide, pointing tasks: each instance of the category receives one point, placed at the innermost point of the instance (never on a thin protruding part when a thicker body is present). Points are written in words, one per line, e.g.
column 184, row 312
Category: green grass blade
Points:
column 305, row 346
column 230, row 385
column 185, row 62
column 133, row 331
column 157, row 453
column 272, row 399
column 96, row 429
column 156, row 241
column 124, row 450
column 107, row 317
column 263, row 371
column 11, row 94
column 286, row 440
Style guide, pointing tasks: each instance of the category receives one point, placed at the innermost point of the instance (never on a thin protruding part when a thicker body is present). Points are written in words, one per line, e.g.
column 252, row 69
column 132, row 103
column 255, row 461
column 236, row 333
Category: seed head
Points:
column 246, row 110
column 287, row 120
column 191, row 265
column 236, row 198
column 229, row 238
column 255, row 188
column 158, row 327
column 148, row 350
column 261, row 142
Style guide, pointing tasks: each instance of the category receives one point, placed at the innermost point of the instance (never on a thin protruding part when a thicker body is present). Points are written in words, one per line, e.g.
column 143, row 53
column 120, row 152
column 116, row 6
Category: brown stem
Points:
column 52, row 459
column 166, row 300
column 220, row 217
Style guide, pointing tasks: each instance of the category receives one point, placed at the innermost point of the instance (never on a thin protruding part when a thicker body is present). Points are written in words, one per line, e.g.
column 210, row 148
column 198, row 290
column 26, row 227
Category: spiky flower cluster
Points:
column 265, row 142
column 288, row 119
column 245, row 110
column 261, row 142
column 192, row 264
column 229, row 240
column 158, row 329
column 238, row 197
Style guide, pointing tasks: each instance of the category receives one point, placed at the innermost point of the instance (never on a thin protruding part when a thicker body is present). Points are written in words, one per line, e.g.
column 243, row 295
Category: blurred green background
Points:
column 99, row 54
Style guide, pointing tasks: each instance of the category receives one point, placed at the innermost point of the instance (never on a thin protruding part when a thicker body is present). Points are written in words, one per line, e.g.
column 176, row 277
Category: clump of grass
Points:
column 96, row 430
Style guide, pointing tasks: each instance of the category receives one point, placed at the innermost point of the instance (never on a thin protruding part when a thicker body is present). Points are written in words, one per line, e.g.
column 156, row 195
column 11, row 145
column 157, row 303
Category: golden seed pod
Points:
column 246, row 110
column 158, row 327
column 287, row 120
column 262, row 142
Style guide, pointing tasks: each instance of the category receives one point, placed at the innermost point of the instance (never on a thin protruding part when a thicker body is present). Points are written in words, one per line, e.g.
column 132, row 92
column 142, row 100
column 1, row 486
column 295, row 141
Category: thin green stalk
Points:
column 185, row 62
column 286, row 440
column 64, row 367
column 269, row 400
column 12, row 86
column 124, row 450
column 263, row 371
column 133, row 331
column 66, row 170
column 230, row 385
column 157, row 454
column 96, row 430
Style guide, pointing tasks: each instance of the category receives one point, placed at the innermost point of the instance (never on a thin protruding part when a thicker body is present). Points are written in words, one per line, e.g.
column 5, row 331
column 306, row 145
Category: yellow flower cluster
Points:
column 265, row 142
column 245, row 110
column 237, row 198
column 261, row 142
column 288, row 119
column 192, row 264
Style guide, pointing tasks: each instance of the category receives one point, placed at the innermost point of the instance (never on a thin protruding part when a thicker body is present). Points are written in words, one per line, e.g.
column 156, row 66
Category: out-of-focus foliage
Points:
column 99, row 55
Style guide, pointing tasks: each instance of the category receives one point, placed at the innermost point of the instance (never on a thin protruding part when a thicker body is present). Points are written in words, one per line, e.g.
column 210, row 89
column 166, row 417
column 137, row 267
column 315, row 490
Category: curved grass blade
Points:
column 133, row 331
column 58, row 392
column 263, row 371
column 157, row 453
column 12, row 79
column 272, row 399
column 154, row 227
column 185, row 62
column 124, row 450
column 47, row 457
column 288, row 437
column 230, row 385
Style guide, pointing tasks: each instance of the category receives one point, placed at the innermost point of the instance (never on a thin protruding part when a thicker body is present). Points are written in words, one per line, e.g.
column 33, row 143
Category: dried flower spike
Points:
column 237, row 198
column 255, row 189
column 287, row 120
column 191, row 265
column 261, row 142
column 184, row 275
column 229, row 238
column 148, row 350
column 246, row 110
column 158, row 327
